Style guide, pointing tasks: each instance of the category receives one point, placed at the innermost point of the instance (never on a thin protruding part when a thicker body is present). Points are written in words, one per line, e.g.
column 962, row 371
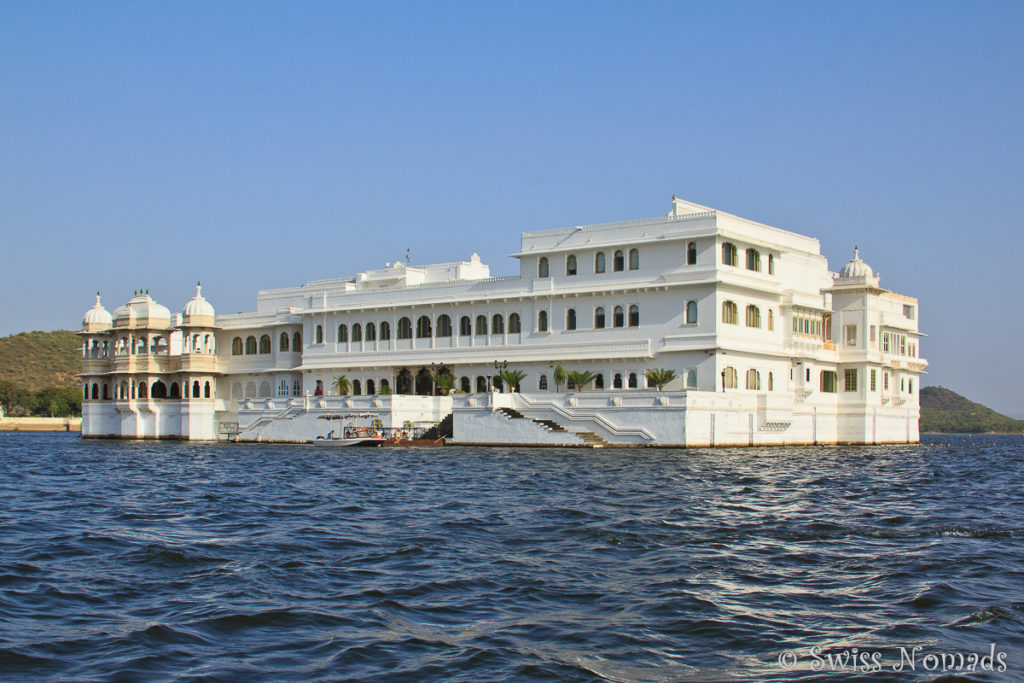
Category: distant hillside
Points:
column 943, row 410
column 34, row 360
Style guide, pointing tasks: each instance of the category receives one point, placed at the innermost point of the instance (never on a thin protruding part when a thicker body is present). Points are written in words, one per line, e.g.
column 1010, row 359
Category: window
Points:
column 908, row 311
column 542, row 321
column 910, row 386
column 357, row 333
column 444, row 326
column 851, row 335
column 319, row 334
column 828, row 381
column 903, row 345
column 885, row 342
column 357, row 388
column 753, row 379
column 850, row 379
column 730, row 314
column 404, row 329
column 617, row 381
column 465, row 326
column 282, row 388
column 370, row 388
column 265, row 343
column 497, row 324
column 465, row 385
column 297, row 388
column 771, row 382
column 385, row 330
column 371, row 332
column 570, row 319
column 423, row 327
column 691, row 378
column 599, row 318
column 771, row 264
column 753, row 316
column 872, row 334
column 514, row 325
column 634, row 259
column 619, row 317
column 771, row 319
column 599, row 381
column 570, row 264
column 542, row 267
column 282, row 343
column 250, row 346
column 730, row 379
column 691, row 312
column 691, row 254
column 634, row 315
column 619, row 261
column 236, row 346
column 342, row 334
column 599, row 262
column 753, row 260
column 297, row 341
column 874, row 379
column 632, row 380
column 481, row 324
column 542, row 384
column 729, row 255
column 384, row 386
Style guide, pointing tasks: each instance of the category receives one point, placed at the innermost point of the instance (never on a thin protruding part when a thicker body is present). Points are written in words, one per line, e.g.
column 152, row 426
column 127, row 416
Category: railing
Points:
column 592, row 416
column 552, row 232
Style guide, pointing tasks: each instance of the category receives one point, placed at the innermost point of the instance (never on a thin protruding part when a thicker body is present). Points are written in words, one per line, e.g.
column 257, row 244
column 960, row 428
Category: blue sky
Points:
column 255, row 145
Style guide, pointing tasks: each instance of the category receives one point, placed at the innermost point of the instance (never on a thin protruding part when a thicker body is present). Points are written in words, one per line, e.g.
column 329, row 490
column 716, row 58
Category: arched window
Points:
column 423, row 327
column 357, row 332
column 206, row 390
column 465, row 326
column 250, row 346
column 599, row 318
column 599, row 381
column 570, row 319
column 481, row 324
column 385, row 330
column 464, row 385
column 176, row 390
column 619, row 261
column 385, row 388
column 542, row 267
column 195, row 389
column 771, row 382
column 542, row 383
column 497, row 324
column 691, row 254
column 730, row 314
column 753, row 260
column 634, row 259
column 542, row 321
column 481, row 385
column 753, row 379
column 265, row 343
column 404, row 329
column 143, row 390
column 570, row 264
column 619, row 317
column 357, row 388
column 282, row 343
column 771, row 320
column 236, row 346
column 444, row 326
column 617, row 380
column 371, row 332
column 691, row 378
column 730, row 379
column 691, row 312
column 319, row 334
column 729, row 254
column 753, row 316
column 250, row 389
column 632, row 380
column 106, row 390
column 771, row 264
column 95, row 391
column 599, row 262
column 158, row 390
column 514, row 325
column 370, row 390
column 297, row 341
column 634, row 315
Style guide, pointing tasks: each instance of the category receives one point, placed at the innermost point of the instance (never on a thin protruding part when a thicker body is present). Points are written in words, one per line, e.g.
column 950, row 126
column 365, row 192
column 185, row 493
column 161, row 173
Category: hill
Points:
column 35, row 360
column 943, row 410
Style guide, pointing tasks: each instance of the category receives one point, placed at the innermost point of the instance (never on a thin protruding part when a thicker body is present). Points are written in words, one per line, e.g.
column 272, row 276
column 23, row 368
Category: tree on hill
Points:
column 36, row 360
column 943, row 410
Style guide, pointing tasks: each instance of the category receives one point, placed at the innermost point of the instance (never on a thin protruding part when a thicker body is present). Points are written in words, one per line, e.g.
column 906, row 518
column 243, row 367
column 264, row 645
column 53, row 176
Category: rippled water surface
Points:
column 141, row 561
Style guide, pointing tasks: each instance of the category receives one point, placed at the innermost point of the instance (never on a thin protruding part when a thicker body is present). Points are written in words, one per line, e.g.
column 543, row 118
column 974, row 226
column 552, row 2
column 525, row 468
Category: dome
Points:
column 198, row 307
column 856, row 268
column 142, row 311
column 97, row 317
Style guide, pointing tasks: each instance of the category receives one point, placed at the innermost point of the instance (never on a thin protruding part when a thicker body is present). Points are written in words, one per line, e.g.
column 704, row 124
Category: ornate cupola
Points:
column 856, row 272
column 97, row 318
column 198, row 311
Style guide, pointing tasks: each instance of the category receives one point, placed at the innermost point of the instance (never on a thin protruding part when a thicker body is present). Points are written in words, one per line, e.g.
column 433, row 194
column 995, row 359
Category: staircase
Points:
column 442, row 430
column 589, row 438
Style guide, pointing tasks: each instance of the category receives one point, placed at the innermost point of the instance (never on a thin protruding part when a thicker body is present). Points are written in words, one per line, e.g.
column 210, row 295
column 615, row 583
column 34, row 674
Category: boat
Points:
column 352, row 433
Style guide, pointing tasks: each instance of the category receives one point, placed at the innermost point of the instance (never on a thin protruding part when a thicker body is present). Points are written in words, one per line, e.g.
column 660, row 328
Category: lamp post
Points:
column 499, row 366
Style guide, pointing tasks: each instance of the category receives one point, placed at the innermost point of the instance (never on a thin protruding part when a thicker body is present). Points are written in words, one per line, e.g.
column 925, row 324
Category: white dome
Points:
column 97, row 316
column 142, row 311
column 856, row 268
column 198, row 306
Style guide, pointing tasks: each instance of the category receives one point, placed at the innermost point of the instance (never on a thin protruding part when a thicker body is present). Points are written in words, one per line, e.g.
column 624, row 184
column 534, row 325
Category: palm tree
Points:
column 580, row 379
column 445, row 383
column 559, row 376
column 342, row 385
column 512, row 378
column 659, row 377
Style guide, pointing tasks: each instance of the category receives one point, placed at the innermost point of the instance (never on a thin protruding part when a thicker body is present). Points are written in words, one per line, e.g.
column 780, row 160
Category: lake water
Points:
column 178, row 561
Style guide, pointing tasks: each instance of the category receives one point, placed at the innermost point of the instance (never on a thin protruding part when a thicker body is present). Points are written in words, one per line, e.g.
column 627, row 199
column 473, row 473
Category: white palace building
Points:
column 768, row 346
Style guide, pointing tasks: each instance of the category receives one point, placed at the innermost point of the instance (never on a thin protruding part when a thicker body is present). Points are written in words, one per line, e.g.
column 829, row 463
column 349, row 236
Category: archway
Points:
column 424, row 382
column 403, row 383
